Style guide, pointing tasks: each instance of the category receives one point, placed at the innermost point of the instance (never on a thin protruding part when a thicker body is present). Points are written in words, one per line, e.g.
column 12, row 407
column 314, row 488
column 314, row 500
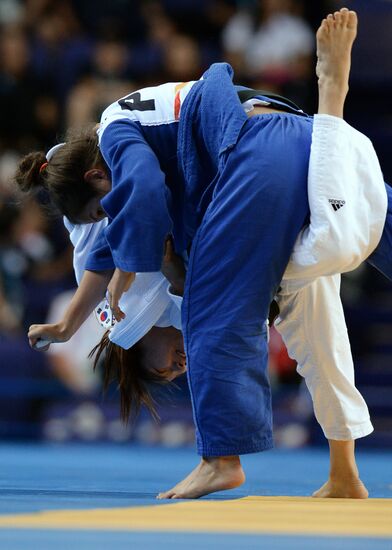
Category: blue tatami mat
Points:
column 37, row 477
column 44, row 478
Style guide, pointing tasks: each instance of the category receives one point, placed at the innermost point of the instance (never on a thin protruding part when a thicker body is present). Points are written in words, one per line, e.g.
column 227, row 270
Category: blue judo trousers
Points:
column 246, row 195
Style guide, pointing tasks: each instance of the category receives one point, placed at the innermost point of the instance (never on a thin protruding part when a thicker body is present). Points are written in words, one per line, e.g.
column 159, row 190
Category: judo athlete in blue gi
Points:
column 241, row 199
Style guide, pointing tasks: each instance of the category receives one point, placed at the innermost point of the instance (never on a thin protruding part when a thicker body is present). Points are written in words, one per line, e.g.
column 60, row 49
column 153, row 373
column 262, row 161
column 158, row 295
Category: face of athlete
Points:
column 93, row 211
column 163, row 351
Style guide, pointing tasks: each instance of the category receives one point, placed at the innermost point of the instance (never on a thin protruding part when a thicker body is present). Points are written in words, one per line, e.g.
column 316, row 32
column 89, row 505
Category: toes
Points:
column 168, row 494
column 323, row 30
column 172, row 495
column 338, row 18
column 330, row 21
column 344, row 16
column 352, row 20
column 348, row 18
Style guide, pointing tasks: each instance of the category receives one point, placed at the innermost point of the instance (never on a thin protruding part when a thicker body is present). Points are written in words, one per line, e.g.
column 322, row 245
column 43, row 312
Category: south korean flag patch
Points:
column 104, row 315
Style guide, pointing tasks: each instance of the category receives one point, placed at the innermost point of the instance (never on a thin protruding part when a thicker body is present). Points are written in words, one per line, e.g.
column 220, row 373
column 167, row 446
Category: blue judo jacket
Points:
column 164, row 164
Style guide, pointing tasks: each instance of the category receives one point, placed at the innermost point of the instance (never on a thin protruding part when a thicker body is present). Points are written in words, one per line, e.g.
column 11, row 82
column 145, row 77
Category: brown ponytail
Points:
column 125, row 366
column 28, row 175
column 63, row 177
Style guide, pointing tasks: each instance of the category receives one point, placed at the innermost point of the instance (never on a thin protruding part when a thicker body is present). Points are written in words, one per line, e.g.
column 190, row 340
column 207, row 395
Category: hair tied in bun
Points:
column 43, row 166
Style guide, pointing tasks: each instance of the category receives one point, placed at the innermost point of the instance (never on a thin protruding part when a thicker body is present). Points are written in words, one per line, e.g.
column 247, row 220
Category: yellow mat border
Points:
column 250, row 515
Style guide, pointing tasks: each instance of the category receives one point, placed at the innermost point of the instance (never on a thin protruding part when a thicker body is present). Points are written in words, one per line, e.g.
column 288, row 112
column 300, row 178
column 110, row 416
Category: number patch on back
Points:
column 133, row 102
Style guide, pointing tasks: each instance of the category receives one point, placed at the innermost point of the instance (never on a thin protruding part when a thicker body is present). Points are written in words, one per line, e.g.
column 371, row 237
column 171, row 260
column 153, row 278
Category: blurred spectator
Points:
column 70, row 361
column 13, row 266
column 122, row 18
column 18, row 90
column 147, row 54
column 60, row 50
column 273, row 46
column 106, row 79
column 182, row 59
column 34, row 263
column 11, row 11
column 201, row 19
column 9, row 319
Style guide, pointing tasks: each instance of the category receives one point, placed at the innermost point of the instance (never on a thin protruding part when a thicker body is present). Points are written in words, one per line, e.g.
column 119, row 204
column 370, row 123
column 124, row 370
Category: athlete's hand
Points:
column 119, row 283
column 41, row 336
column 173, row 268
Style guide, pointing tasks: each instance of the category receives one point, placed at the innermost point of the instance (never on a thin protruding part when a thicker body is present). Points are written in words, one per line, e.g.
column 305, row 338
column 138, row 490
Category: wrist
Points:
column 64, row 330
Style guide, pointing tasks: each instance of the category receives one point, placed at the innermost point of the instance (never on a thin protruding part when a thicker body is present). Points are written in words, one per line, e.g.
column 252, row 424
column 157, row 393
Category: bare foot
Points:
column 343, row 481
column 349, row 488
column 335, row 38
column 212, row 474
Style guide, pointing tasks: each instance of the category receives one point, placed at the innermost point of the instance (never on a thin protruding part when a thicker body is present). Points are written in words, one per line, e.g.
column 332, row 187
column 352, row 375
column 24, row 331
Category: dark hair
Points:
column 63, row 177
column 125, row 366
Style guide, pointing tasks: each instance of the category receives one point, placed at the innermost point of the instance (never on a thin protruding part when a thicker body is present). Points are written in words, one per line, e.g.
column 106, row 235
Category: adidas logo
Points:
column 336, row 204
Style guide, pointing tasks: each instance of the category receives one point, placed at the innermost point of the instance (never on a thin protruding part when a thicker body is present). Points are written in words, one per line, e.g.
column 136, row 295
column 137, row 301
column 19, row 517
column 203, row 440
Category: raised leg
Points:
column 335, row 38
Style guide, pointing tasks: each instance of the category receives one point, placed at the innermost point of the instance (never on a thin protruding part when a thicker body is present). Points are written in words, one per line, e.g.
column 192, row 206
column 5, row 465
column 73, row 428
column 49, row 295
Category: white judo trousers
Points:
column 348, row 204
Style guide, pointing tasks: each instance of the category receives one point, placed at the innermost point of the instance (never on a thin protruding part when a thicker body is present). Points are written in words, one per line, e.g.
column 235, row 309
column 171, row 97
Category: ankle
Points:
column 222, row 461
column 346, row 474
column 333, row 84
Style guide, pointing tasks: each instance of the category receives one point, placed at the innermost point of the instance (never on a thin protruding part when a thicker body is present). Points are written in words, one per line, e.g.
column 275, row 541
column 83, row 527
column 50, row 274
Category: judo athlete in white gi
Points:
column 216, row 403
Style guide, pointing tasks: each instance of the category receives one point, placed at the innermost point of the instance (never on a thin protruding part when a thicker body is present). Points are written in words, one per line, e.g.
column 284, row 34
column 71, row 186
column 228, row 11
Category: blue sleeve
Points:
column 100, row 255
column 137, row 205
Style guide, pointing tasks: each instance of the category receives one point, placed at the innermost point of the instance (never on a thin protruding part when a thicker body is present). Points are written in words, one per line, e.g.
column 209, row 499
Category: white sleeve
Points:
column 312, row 325
column 175, row 298
column 175, row 316
column 171, row 317
column 347, row 200
column 82, row 238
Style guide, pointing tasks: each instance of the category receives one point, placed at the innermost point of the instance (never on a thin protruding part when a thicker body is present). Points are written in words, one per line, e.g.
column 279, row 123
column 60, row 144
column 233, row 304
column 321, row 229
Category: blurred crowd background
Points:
column 61, row 63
